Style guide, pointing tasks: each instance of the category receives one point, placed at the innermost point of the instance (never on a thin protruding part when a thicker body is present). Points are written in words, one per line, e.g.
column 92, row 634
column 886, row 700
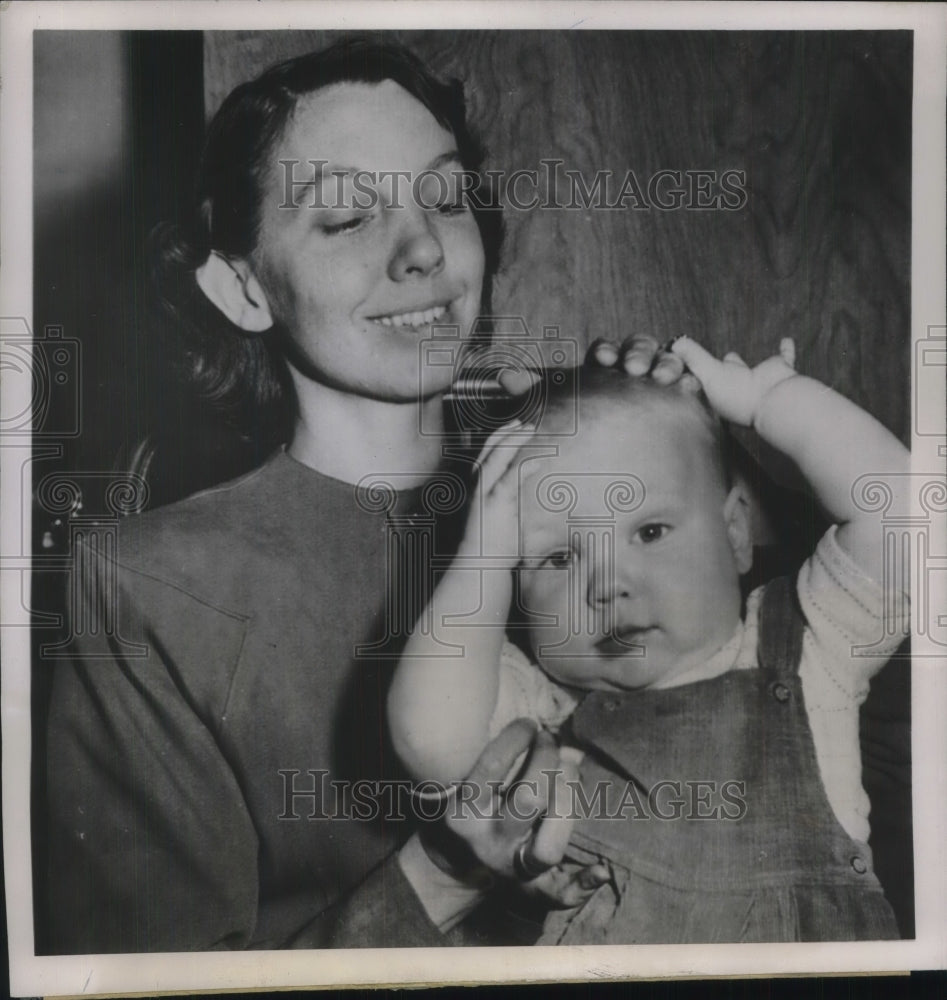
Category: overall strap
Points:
column 781, row 628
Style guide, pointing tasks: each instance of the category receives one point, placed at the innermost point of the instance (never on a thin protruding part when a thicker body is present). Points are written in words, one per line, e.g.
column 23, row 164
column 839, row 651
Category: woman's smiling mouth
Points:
column 421, row 317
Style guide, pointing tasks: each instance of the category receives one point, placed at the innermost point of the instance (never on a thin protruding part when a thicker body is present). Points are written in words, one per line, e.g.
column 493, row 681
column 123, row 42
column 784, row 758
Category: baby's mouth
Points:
column 624, row 640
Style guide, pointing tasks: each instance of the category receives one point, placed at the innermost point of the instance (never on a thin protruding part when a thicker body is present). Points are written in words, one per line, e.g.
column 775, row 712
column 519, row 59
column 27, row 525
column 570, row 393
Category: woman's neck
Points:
column 349, row 437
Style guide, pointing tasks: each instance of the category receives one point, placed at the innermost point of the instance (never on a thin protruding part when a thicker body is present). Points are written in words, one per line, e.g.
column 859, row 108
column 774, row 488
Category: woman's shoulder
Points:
column 209, row 532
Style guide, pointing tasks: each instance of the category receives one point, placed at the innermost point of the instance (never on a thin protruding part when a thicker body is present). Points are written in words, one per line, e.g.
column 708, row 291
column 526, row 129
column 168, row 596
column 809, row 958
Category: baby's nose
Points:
column 604, row 590
column 609, row 579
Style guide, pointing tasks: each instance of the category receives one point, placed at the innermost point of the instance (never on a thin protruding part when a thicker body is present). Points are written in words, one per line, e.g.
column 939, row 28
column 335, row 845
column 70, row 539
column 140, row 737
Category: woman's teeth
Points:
column 413, row 318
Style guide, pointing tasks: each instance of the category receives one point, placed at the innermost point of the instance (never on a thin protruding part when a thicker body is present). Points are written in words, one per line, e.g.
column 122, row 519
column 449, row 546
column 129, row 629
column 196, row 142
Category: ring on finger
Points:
column 526, row 866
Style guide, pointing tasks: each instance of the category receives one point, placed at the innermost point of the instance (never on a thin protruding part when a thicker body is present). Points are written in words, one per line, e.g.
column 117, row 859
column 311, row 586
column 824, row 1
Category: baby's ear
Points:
column 233, row 288
column 736, row 516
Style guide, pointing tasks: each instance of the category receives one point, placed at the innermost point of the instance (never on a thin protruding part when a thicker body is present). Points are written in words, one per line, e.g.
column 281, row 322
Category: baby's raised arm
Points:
column 441, row 700
column 832, row 441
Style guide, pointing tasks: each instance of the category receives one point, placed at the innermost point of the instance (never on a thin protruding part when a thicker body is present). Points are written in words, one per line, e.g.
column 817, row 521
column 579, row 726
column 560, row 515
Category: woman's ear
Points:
column 232, row 287
column 736, row 516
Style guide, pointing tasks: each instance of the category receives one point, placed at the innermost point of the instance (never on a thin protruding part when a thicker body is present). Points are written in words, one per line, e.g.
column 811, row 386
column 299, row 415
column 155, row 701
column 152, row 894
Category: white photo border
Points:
column 50, row 975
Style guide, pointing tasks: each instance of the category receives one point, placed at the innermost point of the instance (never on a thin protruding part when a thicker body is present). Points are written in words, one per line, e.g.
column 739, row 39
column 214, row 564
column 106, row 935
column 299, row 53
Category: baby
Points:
column 720, row 766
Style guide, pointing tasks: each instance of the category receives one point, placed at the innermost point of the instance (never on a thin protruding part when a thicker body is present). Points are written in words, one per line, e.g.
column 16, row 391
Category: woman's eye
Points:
column 345, row 226
column 653, row 532
column 458, row 207
column 560, row 559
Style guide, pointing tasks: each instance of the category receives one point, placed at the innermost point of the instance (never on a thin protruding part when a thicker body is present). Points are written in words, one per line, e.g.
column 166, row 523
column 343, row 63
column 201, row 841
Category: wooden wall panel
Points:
column 819, row 122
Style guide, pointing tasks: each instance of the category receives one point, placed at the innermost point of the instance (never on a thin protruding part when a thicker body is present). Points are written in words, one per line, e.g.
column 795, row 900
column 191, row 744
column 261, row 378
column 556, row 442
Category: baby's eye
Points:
column 560, row 559
column 652, row 532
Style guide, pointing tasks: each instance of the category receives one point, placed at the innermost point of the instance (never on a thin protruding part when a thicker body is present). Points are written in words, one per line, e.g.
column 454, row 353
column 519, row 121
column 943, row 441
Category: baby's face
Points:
column 634, row 598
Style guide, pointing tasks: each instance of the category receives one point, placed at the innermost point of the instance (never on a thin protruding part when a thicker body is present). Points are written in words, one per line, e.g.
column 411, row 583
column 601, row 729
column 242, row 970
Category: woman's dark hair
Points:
column 243, row 376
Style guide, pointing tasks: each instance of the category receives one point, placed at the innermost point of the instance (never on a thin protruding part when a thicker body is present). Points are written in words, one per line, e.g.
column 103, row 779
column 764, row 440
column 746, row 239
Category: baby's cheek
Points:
column 581, row 670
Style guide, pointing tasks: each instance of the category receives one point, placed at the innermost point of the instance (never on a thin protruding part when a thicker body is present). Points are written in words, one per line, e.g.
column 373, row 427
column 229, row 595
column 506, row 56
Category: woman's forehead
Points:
column 365, row 126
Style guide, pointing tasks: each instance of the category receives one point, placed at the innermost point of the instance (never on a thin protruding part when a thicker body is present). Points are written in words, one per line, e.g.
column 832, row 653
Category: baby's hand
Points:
column 494, row 515
column 733, row 388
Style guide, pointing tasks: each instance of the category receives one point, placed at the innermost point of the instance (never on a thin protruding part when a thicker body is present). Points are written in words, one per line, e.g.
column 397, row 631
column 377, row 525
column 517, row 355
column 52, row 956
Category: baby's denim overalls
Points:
column 785, row 870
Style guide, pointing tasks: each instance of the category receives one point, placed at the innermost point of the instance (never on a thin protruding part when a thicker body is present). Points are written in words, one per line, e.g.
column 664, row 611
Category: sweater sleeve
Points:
column 151, row 843
column 151, row 847
column 524, row 691
column 381, row 912
column 852, row 629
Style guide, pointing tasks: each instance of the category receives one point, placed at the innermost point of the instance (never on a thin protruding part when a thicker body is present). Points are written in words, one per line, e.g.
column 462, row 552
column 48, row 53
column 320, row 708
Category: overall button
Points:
column 780, row 692
column 610, row 704
column 859, row 865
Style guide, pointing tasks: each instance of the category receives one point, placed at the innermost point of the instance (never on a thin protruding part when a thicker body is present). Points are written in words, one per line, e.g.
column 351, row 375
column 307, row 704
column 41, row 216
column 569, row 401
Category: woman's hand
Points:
column 733, row 389
column 639, row 355
column 516, row 830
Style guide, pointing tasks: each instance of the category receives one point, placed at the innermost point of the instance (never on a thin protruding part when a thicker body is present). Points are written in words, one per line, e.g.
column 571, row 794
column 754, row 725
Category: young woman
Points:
column 208, row 743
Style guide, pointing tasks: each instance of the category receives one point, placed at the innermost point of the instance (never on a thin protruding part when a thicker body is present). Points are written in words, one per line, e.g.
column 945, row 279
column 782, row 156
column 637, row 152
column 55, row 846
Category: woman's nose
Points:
column 418, row 250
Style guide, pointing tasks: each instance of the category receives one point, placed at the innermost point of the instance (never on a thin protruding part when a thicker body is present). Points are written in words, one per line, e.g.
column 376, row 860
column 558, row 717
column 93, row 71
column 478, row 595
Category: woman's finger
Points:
column 690, row 382
column 732, row 358
column 517, row 381
column 565, row 887
column 582, row 885
column 590, row 878
column 528, row 797
column 552, row 837
column 602, row 352
column 499, row 755
column 668, row 368
column 638, row 354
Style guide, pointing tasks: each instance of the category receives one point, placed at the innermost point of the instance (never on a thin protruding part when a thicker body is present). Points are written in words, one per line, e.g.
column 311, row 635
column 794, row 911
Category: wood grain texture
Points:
column 819, row 122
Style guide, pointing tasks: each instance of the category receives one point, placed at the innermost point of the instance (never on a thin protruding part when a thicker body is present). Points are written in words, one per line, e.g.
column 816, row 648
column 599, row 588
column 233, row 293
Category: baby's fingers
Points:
column 787, row 351
column 499, row 452
column 551, row 839
column 698, row 359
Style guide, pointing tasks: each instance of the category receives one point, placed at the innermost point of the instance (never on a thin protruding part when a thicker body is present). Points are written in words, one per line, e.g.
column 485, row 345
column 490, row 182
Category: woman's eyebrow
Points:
column 303, row 188
column 451, row 156
column 297, row 188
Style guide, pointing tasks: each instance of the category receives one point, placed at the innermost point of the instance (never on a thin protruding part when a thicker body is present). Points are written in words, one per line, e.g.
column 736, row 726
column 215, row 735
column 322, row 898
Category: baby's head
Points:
column 632, row 535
